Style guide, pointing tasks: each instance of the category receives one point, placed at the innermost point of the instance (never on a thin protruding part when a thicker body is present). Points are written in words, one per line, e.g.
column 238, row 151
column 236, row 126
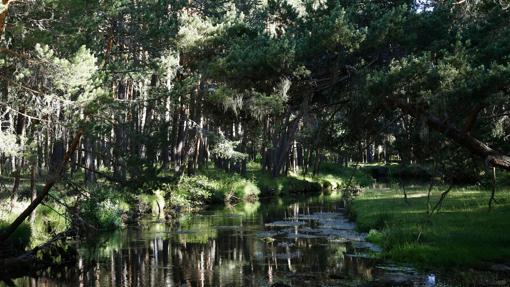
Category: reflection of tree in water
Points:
column 217, row 248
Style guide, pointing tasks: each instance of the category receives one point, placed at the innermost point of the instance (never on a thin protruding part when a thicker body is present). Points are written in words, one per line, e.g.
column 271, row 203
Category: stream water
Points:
column 299, row 242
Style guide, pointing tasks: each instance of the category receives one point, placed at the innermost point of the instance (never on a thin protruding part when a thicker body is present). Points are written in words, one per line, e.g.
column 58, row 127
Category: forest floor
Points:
column 463, row 233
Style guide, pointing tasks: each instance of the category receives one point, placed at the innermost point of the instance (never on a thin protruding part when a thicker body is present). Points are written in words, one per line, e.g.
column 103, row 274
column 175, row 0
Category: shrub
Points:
column 103, row 209
column 245, row 189
column 192, row 192
column 154, row 203
column 102, row 214
column 375, row 236
column 198, row 190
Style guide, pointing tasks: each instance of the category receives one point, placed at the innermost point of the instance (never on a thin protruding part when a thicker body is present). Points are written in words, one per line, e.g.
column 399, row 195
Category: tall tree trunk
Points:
column 174, row 134
column 196, row 133
column 317, row 162
column 15, row 186
column 307, row 159
column 33, row 187
column 150, row 147
column 294, row 157
column 282, row 150
column 165, row 143
column 181, row 139
column 300, row 155
column 119, row 149
column 90, row 166
column 20, row 130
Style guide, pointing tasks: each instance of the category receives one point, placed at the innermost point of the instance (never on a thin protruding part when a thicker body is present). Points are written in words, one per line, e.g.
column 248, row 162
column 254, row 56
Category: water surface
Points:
column 299, row 242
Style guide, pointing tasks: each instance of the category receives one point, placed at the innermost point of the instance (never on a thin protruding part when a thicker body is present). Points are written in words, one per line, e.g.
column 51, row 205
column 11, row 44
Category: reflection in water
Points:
column 224, row 247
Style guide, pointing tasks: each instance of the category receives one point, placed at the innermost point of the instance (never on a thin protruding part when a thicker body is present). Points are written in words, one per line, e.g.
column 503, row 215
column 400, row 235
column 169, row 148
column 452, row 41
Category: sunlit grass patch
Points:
column 463, row 233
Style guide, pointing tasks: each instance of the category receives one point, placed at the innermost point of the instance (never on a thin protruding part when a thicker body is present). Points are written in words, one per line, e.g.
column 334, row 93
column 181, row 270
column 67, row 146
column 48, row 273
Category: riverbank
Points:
column 104, row 206
column 212, row 186
column 464, row 233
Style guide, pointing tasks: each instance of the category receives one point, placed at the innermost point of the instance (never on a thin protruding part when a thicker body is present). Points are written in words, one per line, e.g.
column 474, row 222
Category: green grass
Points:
column 331, row 176
column 464, row 233
column 225, row 184
column 214, row 186
column 337, row 176
column 48, row 221
column 210, row 186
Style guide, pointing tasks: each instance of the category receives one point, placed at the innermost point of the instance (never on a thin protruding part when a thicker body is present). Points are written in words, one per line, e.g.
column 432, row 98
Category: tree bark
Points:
column 90, row 175
column 180, row 139
column 284, row 144
column 3, row 16
column 20, row 131
column 317, row 162
column 493, row 191
column 33, row 187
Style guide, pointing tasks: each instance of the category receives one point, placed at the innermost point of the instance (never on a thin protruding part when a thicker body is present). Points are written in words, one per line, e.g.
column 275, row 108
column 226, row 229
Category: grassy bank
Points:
column 213, row 186
column 464, row 232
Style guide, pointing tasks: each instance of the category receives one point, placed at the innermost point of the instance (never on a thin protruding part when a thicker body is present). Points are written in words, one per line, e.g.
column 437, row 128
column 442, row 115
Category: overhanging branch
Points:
column 460, row 137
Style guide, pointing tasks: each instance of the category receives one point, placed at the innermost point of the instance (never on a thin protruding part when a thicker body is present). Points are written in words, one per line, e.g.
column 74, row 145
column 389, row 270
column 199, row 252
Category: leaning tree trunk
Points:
column 460, row 137
column 284, row 144
column 50, row 182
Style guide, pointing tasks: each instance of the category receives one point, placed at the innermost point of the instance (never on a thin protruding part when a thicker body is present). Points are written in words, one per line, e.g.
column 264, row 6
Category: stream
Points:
column 283, row 242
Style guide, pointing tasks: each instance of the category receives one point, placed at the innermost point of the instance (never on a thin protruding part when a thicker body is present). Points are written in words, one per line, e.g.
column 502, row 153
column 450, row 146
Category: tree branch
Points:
column 474, row 145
